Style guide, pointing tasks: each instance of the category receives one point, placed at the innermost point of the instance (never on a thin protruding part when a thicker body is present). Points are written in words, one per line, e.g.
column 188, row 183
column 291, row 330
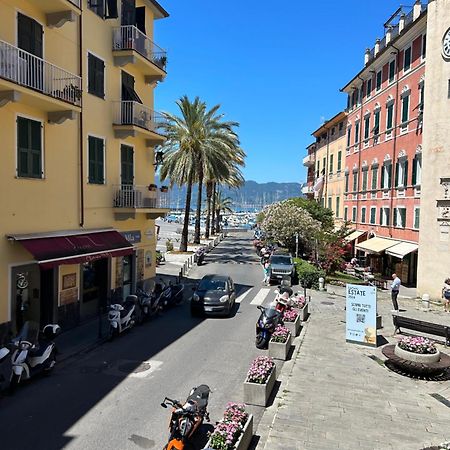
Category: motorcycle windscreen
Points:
column 271, row 312
column 29, row 333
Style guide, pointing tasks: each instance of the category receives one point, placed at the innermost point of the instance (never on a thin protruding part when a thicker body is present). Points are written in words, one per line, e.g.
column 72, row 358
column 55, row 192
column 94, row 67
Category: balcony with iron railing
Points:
column 133, row 119
column 308, row 189
column 131, row 199
column 47, row 86
column 132, row 46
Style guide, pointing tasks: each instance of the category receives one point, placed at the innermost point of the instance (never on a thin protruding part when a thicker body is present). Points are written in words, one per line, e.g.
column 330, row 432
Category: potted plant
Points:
column 260, row 381
column 280, row 343
column 234, row 431
column 291, row 321
column 152, row 187
column 299, row 303
column 164, row 188
column 417, row 349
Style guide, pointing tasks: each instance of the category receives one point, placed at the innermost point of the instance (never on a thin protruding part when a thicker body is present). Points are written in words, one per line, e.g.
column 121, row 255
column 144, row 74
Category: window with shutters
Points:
column 339, row 161
column 29, row 148
column 354, row 214
column 331, row 163
column 392, row 71
column 424, row 47
column 96, row 76
column 379, row 80
column 417, row 170
column 389, row 117
column 384, row 216
column 374, row 178
column 346, row 213
column 400, row 217
column 366, row 128
column 96, row 149
column 355, row 181
column 330, row 201
column 338, row 207
column 356, row 132
column 369, row 88
column 106, row 9
column 376, row 123
column 324, row 165
column 373, row 215
column 407, row 59
column 386, row 174
column 416, row 217
column 349, row 134
column 346, row 181
column 401, row 173
column 363, row 214
column 365, row 175
column 405, row 110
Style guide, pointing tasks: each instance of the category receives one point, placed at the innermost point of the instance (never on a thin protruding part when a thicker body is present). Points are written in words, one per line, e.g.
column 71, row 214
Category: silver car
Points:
column 282, row 267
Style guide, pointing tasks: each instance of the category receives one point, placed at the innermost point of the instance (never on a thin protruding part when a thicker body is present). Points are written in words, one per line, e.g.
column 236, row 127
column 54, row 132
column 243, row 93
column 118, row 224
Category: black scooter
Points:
column 171, row 295
column 269, row 319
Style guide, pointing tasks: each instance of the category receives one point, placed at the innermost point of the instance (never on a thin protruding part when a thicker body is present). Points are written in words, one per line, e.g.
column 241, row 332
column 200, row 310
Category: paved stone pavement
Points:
column 333, row 396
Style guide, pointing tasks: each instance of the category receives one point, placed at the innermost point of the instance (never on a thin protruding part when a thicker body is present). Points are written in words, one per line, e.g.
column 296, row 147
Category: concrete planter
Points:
column 244, row 439
column 303, row 312
column 417, row 357
column 294, row 327
column 280, row 350
column 258, row 394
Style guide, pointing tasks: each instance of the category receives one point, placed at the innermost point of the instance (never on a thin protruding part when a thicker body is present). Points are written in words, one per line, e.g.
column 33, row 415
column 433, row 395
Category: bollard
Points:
column 180, row 275
column 321, row 284
column 426, row 302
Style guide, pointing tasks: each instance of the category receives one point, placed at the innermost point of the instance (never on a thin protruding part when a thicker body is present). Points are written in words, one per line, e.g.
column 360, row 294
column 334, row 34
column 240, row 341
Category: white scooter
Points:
column 32, row 352
column 122, row 317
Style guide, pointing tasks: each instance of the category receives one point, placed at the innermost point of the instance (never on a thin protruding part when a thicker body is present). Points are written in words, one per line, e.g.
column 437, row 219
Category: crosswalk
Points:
column 260, row 297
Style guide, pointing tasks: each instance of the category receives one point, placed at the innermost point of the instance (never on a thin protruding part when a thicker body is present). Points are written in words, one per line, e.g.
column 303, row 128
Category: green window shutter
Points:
column 366, row 127
column 345, row 213
column 96, row 160
column 388, row 216
column 407, row 59
column 396, row 173
column 355, row 181
column 403, row 216
column 390, row 110
column 376, row 128
column 405, row 173
column 338, row 204
column 339, row 161
column 100, row 161
column 391, row 71
column 35, row 149
column 363, row 215
column 382, row 176
column 346, row 182
column 414, row 171
column 92, row 157
column 405, row 108
column 364, row 183
column 389, row 168
column 374, row 178
column 29, row 148
column 379, row 80
column 349, row 133
column 356, row 133
column 331, row 163
column 395, row 216
column 329, row 202
column 381, row 216
column 416, row 218
column 373, row 213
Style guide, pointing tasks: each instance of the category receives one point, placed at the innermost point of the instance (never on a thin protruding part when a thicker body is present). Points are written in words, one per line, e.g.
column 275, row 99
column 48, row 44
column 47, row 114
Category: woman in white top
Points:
column 446, row 294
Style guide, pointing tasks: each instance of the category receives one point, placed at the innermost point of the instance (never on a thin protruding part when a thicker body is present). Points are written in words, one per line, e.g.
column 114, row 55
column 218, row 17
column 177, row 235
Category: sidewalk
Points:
column 333, row 395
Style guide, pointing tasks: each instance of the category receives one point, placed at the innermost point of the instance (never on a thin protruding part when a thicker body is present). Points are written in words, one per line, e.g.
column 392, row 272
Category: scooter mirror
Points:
column 276, row 291
column 163, row 405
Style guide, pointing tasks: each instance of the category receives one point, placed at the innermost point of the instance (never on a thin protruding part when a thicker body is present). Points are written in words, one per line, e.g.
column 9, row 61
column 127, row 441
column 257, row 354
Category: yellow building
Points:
column 78, row 136
column 330, row 164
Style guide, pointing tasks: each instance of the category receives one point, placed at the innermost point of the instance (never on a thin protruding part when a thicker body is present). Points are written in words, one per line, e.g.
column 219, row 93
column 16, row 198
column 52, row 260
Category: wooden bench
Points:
column 422, row 326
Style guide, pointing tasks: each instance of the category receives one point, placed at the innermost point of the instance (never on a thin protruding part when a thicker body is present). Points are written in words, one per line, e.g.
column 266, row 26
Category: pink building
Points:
column 383, row 148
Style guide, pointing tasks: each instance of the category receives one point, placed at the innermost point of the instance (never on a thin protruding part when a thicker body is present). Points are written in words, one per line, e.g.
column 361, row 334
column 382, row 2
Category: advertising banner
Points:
column 361, row 317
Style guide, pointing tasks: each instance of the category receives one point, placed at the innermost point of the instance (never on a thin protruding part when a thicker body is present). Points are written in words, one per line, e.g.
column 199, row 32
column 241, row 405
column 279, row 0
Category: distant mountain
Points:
column 251, row 195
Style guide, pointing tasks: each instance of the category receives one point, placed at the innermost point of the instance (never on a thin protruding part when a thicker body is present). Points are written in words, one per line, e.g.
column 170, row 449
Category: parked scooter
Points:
column 122, row 317
column 186, row 419
column 33, row 352
column 149, row 302
column 171, row 295
column 200, row 255
column 268, row 320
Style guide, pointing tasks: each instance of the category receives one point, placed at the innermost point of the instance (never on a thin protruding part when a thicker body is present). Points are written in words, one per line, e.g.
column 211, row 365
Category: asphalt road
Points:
column 110, row 398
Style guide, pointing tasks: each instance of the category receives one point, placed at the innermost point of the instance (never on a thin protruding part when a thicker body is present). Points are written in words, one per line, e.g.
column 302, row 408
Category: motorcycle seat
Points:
column 40, row 348
column 200, row 396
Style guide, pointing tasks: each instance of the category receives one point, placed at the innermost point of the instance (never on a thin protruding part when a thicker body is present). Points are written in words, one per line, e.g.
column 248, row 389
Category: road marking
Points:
column 242, row 296
column 260, row 297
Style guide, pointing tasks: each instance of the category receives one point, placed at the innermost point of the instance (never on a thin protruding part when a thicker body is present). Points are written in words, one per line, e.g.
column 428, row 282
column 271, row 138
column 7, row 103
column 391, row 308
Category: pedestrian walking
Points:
column 446, row 295
column 266, row 273
column 395, row 288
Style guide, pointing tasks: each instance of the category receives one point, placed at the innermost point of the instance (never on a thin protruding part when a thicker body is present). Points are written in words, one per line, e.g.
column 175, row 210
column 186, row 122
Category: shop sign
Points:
column 69, row 281
column 133, row 237
column 361, row 314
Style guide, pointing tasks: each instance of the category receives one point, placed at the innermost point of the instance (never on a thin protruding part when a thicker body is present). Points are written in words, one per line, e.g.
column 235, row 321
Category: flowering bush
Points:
column 417, row 344
column 298, row 301
column 227, row 431
column 290, row 315
column 260, row 369
column 445, row 445
column 281, row 334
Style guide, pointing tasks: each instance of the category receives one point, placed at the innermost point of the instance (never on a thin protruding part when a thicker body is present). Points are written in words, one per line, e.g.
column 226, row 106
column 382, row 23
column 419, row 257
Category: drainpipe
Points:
column 394, row 146
column 360, row 149
column 80, row 128
column 327, row 166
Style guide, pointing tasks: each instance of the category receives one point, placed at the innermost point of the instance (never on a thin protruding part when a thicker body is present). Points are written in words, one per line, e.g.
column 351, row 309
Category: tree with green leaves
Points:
column 316, row 210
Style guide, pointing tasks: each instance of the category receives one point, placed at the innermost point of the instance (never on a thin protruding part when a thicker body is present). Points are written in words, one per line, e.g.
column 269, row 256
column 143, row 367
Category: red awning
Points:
column 78, row 248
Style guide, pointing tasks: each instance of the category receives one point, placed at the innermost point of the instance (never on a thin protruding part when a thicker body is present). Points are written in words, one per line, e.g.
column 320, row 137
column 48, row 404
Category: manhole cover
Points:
column 327, row 303
column 130, row 367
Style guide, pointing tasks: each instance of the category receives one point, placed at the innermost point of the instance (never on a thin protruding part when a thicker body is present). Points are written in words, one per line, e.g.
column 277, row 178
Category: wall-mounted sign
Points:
column 149, row 233
column 69, row 280
column 133, row 237
column 361, row 314
column 148, row 258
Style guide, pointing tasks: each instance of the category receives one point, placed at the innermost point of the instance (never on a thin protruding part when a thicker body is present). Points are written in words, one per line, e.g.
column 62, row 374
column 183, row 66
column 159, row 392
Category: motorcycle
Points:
column 122, row 317
column 149, row 302
column 33, row 352
column 200, row 255
column 186, row 419
column 269, row 319
column 172, row 294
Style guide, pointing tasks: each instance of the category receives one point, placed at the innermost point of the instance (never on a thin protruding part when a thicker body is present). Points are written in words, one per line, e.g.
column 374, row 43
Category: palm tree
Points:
column 219, row 145
column 223, row 204
column 184, row 141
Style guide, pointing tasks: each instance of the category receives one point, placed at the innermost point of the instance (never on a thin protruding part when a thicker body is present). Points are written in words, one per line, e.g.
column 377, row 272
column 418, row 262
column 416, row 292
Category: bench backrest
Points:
column 420, row 325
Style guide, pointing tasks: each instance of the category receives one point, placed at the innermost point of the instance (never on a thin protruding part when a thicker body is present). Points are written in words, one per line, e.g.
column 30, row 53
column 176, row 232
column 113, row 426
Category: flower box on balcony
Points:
column 164, row 188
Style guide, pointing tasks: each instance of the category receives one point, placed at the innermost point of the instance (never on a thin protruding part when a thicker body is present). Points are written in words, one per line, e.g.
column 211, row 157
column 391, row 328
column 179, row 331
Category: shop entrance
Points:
column 94, row 287
column 128, row 275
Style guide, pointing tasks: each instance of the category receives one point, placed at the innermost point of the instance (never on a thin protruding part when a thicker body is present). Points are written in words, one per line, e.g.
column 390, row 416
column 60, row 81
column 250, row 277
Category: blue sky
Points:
column 275, row 67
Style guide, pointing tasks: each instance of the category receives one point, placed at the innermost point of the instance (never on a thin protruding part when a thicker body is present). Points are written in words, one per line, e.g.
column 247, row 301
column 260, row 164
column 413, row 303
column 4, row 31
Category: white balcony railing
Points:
column 129, row 196
column 309, row 160
column 134, row 113
column 28, row 70
column 307, row 189
column 128, row 37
